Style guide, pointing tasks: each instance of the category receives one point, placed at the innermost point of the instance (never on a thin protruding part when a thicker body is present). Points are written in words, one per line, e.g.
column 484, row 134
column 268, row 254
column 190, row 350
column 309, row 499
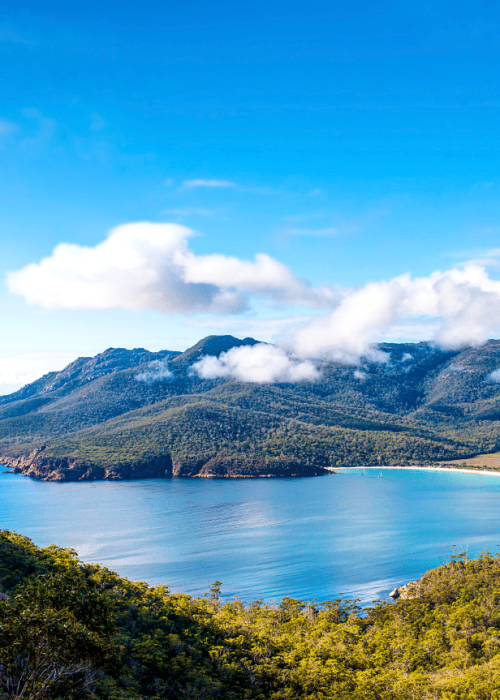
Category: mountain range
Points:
column 135, row 413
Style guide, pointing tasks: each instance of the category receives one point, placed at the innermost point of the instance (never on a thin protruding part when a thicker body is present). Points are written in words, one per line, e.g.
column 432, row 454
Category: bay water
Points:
column 357, row 533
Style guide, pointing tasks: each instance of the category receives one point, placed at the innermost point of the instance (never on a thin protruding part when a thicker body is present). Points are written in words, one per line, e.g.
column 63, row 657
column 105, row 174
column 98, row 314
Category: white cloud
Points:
column 346, row 334
column 149, row 266
column 188, row 184
column 266, row 277
column 157, row 371
column 465, row 301
column 494, row 377
column 259, row 363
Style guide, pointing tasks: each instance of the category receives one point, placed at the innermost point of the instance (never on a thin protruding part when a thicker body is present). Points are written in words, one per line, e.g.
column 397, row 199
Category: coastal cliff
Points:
column 39, row 465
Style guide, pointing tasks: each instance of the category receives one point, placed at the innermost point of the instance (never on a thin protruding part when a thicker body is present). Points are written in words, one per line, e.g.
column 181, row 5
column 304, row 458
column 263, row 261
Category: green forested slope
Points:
column 70, row 630
column 119, row 415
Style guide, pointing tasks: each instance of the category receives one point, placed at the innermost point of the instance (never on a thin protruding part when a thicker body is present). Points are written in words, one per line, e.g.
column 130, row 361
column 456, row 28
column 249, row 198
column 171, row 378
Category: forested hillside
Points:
column 70, row 630
column 133, row 413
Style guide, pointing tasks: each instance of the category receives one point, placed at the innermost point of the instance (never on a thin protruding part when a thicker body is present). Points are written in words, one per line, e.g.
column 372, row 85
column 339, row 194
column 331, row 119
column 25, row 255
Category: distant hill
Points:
column 134, row 413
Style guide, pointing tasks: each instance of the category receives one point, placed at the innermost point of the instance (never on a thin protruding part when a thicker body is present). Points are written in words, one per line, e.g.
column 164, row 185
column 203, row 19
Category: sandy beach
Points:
column 436, row 469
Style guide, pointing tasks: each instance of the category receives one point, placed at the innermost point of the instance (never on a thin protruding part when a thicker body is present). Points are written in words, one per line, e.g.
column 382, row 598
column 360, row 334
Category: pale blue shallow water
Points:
column 348, row 533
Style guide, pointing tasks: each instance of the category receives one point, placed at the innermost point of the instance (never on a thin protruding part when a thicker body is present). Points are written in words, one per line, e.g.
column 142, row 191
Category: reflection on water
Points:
column 264, row 538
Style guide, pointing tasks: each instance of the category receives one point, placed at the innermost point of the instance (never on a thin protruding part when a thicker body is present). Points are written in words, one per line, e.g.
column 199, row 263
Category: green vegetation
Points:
column 70, row 630
column 99, row 419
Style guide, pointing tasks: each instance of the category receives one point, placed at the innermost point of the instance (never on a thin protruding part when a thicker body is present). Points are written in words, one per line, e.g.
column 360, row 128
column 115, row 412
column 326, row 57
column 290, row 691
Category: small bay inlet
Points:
column 353, row 533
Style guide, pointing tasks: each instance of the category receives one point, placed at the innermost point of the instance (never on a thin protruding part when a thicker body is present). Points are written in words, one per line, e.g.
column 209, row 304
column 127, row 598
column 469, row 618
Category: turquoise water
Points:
column 350, row 533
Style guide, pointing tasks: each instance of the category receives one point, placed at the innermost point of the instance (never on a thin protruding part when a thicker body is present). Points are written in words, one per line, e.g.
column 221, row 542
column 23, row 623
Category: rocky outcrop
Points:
column 40, row 465
column 409, row 590
column 47, row 468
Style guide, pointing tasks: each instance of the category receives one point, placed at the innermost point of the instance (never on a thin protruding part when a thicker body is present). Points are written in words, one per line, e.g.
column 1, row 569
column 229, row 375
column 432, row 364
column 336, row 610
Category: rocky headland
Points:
column 38, row 465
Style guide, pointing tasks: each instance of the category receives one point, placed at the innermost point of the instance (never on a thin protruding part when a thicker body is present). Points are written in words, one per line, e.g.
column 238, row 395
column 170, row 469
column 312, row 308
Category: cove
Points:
column 351, row 533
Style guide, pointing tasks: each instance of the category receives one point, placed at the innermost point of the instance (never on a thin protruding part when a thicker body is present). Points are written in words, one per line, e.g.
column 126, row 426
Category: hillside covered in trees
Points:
column 133, row 413
column 71, row 630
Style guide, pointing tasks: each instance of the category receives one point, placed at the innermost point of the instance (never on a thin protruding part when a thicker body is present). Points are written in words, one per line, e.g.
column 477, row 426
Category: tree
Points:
column 54, row 635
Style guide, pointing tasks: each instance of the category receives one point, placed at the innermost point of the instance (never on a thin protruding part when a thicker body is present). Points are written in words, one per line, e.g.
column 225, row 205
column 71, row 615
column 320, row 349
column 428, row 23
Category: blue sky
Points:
column 352, row 142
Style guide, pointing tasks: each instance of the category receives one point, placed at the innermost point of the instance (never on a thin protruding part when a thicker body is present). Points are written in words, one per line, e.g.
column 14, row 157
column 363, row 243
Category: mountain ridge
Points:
column 135, row 413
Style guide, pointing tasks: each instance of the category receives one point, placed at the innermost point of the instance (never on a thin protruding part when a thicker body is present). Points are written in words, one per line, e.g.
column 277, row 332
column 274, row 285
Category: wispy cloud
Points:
column 7, row 127
column 9, row 35
column 189, row 184
column 45, row 131
column 480, row 256
column 157, row 371
column 328, row 231
column 323, row 223
column 494, row 377
column 96, row 122
column 488, row 257
column 190, row 211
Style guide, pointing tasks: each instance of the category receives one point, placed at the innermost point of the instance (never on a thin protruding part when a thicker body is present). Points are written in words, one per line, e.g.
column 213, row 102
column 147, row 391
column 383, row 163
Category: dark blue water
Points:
column 349, row 533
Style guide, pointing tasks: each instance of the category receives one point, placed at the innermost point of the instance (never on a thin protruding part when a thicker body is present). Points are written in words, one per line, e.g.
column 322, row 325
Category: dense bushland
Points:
column 72, row 630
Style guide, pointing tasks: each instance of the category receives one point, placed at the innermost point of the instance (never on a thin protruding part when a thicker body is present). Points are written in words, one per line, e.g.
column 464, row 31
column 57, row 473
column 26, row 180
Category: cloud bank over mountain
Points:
column 151, row 266
column 466, row 303
column 157, row 371
column 261, row 363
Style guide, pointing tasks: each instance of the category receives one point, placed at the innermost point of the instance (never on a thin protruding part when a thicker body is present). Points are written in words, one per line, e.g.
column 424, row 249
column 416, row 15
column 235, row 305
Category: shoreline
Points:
column 421, row 468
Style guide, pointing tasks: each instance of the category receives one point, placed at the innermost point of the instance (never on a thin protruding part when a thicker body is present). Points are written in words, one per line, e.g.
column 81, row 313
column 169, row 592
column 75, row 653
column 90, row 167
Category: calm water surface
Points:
column 350, row 533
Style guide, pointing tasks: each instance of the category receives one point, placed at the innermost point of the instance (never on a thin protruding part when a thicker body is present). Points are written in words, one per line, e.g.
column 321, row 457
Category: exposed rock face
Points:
column 408, row 591
column 40, row 466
